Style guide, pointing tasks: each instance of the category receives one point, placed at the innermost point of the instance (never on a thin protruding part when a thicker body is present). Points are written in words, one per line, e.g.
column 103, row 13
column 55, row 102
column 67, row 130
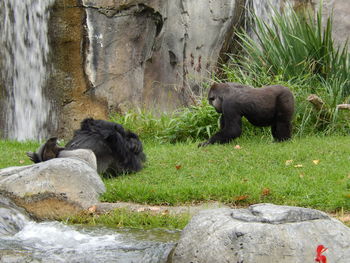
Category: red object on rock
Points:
column 319, row 257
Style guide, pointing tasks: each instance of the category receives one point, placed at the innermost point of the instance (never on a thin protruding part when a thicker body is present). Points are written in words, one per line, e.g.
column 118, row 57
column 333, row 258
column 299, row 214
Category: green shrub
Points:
column 295, row 45
column 147, row 124
column 196, row 122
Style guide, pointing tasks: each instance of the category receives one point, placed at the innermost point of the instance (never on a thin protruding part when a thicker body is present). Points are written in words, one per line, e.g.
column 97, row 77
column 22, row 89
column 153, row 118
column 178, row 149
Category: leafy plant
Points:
column 295, row 45
column 187, row 124
column 193, row 123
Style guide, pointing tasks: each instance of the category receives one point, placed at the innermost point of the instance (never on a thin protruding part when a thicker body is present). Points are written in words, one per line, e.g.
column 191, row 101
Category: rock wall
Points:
column 68, row 82
column 110, row 56
column 341, row 19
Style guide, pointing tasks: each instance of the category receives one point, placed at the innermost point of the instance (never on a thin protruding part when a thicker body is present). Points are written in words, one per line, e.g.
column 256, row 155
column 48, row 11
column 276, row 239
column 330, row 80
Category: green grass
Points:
column 184, row 174
column 122, row 218
column 13, row 153
column 239, row 177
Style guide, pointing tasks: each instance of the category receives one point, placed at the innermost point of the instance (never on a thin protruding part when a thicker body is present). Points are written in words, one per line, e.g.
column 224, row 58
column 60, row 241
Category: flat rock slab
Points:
column 263, row 233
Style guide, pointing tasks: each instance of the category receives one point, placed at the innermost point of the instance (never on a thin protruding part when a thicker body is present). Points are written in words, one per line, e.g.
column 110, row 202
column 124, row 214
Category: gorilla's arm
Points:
column 46, row 151
column 133, row 142
column 222, row 121
column 231, row 128
column 34, row 157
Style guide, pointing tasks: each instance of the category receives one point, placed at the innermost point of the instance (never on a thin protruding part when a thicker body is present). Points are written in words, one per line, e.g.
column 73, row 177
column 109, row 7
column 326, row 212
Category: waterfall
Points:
column 263, row 9
column 24, row 53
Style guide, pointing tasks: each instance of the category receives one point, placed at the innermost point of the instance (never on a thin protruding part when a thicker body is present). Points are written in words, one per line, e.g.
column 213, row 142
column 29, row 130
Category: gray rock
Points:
column 341, row 18
column 86, row 155
column 56, row 187
column 263, row 233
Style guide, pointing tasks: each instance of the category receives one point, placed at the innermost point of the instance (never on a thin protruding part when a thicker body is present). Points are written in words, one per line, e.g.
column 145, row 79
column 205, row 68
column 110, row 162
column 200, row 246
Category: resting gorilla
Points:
column 117, row 150
column 268, row 106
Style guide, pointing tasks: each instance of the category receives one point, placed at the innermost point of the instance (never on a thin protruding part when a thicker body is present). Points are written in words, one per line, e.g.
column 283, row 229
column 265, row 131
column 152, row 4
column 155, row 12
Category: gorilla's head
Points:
column 215, row 97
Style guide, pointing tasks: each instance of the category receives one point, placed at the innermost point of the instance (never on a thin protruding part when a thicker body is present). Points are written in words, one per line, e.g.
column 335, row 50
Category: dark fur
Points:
column 268, row 106
column 117, row 150
column 46, row 151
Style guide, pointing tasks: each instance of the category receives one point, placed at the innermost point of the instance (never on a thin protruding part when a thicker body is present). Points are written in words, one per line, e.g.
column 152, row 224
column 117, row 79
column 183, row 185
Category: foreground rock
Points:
column 263, row 233
column 55, row 188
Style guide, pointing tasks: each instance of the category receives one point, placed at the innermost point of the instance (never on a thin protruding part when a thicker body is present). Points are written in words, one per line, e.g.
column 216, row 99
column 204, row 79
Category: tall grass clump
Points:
column 145, row 123
column 196, row 122
column 295, row 44
column 193, row 123
column 298, row 50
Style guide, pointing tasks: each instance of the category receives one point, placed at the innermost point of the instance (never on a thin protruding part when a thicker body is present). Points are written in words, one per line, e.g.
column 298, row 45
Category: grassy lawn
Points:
column 309, row 172
column 14, row 153
column 123, row 218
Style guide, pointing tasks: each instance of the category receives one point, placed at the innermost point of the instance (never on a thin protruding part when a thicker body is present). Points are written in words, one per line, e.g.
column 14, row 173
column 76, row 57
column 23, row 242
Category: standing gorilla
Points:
column 268, row 106
column 117, row 150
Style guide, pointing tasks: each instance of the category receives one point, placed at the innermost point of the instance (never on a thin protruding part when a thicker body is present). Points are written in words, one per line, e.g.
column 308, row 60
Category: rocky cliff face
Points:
column 113, row 55
column 110, row 56
column 68, row 82
column 341, row 21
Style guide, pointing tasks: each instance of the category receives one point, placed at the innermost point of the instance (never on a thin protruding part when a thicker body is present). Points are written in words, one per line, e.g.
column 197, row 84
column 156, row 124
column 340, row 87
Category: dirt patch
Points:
column 189, row 209
column 47, row 206
column 173, row 210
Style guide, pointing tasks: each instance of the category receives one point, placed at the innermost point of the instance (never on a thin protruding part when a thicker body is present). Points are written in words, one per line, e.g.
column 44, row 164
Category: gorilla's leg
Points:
column 133, row 142
column 281, row 131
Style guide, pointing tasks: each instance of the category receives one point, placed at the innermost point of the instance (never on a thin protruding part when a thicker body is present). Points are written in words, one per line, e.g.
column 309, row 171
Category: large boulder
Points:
column 55, row 188
column 263, row 233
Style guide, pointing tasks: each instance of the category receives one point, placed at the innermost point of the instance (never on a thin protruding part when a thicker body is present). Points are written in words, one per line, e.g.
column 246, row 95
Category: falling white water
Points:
column 263, row 9
column 24, row 51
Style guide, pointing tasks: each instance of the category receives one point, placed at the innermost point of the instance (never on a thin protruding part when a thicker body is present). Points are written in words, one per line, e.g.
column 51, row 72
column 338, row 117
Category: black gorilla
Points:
column 117, row 150
column 267, row 106
column 46, row 151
